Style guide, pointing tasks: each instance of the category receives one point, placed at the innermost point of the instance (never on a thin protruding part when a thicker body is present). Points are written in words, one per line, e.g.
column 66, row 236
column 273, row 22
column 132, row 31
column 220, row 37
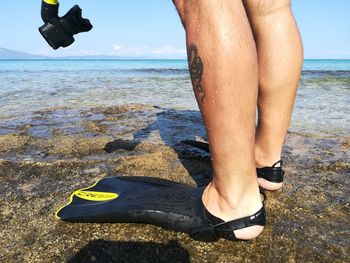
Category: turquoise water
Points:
column 326, row 64
column 322, row 104
column 76, row 64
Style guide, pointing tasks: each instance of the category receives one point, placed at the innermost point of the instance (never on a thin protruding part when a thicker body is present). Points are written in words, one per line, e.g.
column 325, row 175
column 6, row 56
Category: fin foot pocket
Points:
column 217, row 228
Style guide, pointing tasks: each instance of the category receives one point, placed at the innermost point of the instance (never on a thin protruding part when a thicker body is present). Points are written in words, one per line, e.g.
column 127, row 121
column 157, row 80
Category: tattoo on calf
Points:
column 196, row 71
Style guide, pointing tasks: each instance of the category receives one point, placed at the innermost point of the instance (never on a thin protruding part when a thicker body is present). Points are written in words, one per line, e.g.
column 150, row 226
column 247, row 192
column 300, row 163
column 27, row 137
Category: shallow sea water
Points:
column 29, row 85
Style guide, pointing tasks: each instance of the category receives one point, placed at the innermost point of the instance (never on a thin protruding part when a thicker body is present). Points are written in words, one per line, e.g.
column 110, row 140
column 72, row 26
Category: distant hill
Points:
column 12, row 54
column 97, row 57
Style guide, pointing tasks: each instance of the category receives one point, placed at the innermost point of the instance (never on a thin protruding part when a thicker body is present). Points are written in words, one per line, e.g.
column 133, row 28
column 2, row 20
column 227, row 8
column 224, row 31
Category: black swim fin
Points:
column 170, row 205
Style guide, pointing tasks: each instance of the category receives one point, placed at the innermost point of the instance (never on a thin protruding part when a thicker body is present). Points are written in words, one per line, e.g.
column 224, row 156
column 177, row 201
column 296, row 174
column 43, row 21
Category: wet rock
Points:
column 334, row 167
column 13, row 143
column 75, row 146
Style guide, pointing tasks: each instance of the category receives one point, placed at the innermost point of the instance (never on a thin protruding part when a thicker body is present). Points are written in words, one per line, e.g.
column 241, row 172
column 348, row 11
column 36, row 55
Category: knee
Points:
column 265, row 7
column 203, row 11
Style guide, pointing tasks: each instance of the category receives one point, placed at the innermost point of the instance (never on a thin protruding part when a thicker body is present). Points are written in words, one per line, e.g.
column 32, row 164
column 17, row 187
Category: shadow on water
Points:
column 173, row 127
column 122, row 251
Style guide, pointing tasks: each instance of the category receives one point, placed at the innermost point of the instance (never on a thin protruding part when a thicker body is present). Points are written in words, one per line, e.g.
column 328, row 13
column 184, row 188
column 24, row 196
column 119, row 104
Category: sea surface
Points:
column 322, row 104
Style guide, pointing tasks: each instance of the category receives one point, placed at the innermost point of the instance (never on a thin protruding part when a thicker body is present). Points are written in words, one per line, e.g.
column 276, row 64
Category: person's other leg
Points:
column 224, row 71
column 280, row 57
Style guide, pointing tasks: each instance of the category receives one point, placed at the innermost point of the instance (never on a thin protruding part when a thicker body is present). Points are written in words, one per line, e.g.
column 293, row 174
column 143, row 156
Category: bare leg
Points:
column 280, row 58
column 224, row 71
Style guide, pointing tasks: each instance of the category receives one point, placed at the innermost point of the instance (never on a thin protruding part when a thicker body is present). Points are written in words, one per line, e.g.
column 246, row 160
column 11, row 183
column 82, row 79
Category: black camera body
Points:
column 59, row 31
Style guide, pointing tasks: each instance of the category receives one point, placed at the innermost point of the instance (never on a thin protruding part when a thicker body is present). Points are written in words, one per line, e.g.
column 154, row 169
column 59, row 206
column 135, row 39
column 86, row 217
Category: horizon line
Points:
column 100, row 57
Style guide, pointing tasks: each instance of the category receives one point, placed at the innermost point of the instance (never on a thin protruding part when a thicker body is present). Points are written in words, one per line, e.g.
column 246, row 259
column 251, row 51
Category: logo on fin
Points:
column 95, row 196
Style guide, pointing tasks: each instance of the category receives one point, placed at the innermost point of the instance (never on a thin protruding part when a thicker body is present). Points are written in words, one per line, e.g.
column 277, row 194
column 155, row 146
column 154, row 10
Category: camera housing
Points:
column 59, row 31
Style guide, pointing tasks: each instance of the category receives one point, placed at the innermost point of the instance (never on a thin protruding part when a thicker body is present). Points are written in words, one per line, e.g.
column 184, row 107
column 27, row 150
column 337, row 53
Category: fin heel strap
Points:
column 217, row 228
column 225, row 229
column 272, row 174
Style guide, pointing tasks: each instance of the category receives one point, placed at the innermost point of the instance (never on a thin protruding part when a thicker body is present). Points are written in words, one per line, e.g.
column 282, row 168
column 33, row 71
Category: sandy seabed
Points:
column 45, row 155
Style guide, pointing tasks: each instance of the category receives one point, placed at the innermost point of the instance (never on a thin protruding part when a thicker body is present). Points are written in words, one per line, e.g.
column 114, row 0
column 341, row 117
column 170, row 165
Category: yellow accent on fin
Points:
column 51, row 2
column 96, row 196
column 88, row 194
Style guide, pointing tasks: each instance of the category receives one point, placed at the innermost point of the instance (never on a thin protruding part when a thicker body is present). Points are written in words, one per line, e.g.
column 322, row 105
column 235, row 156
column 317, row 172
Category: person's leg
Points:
column 280, row 59
column 224, row 71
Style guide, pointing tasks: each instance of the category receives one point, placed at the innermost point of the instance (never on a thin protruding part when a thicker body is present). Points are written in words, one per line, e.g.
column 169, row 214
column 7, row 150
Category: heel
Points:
column 267, row 185
column 271, row 178
column 248, row 233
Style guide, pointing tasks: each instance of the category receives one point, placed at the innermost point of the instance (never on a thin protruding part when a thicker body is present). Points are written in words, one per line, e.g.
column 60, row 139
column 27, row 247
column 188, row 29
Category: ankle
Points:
column 264, row 157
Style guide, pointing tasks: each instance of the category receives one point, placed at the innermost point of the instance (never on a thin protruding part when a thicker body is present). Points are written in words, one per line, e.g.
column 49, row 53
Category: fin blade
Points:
column 200, row 145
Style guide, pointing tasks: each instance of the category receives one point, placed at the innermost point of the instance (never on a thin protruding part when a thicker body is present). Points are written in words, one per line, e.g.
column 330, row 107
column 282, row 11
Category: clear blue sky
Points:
column 152, row 28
